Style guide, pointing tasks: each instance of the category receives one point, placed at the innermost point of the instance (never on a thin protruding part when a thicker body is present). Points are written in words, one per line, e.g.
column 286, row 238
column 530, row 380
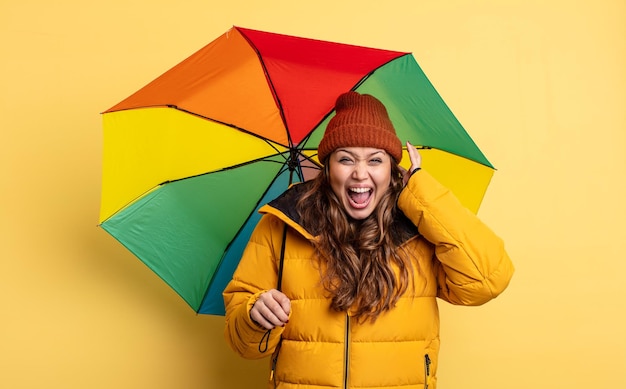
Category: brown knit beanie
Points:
column 360, row 121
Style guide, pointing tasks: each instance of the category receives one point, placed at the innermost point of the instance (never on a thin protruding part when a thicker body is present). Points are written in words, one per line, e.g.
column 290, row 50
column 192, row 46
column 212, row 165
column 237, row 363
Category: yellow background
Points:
column 540, row 86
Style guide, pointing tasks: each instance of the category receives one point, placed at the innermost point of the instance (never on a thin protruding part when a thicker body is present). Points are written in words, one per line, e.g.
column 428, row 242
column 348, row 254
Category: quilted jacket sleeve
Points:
column 256, row 273
column 473, row 264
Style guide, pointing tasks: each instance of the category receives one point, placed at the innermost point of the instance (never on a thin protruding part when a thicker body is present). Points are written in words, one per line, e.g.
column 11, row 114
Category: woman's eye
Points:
column 376, row 161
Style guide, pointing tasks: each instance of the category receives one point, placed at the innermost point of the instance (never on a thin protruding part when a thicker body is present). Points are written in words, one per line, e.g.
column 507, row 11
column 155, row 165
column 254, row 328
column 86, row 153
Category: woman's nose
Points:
column 360, row 171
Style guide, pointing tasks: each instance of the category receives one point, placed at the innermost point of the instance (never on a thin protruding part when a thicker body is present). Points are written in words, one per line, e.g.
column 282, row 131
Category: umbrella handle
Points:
column 264, row 343
column 281, row 262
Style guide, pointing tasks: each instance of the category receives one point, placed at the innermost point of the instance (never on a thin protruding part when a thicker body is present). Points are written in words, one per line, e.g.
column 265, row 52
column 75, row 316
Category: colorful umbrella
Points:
column 190, row 157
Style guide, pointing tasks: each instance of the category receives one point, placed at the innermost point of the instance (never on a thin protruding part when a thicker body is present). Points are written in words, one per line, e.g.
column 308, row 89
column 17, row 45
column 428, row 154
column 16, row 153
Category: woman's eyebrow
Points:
column 367, row 156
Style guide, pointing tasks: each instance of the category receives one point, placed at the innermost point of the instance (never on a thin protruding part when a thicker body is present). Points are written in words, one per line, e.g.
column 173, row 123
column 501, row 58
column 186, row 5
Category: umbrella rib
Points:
column 267, row 159
column 271, row 87
column 318, row 164
column 232, row 126
column 368, row 75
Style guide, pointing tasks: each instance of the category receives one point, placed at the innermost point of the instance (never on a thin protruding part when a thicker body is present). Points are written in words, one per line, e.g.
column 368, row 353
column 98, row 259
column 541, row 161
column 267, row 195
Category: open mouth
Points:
column 359, row 197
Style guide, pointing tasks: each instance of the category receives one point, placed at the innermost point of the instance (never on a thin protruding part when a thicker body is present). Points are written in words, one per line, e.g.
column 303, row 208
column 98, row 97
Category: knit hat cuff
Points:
column 366, row 136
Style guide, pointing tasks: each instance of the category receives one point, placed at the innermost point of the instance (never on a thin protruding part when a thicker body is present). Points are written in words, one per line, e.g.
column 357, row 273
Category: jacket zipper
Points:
column 274, row 360
column 426, row 370
column 346, row 353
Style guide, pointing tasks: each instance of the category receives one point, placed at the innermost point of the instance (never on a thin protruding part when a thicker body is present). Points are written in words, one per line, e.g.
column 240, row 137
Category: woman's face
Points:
column 359, row 176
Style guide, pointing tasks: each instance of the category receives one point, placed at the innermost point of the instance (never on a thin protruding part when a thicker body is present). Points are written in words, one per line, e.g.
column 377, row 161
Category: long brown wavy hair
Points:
column 357, row 256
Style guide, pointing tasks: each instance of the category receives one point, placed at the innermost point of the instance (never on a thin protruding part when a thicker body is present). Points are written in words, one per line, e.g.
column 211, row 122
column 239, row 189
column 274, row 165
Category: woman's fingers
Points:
column 264, row 316
column 284, row 302
column 416, row 163
column 271, row 309
column 414, row 155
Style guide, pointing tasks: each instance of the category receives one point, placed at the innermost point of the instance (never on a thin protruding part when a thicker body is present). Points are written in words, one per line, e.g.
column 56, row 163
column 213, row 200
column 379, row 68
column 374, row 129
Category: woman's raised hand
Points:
column 416, row 162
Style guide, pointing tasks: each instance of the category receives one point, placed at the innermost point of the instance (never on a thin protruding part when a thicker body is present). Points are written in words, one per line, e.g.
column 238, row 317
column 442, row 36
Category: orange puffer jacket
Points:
column 455, row 257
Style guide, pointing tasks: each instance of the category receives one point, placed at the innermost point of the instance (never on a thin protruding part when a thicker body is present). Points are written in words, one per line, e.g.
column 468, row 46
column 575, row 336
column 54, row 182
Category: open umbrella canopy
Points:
column 189, row 158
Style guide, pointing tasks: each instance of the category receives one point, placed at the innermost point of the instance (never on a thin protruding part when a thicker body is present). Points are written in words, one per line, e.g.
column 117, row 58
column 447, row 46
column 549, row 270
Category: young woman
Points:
column 340, row 278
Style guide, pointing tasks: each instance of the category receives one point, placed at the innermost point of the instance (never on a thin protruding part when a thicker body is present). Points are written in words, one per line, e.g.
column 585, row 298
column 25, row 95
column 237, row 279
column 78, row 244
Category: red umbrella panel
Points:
column 189, row 158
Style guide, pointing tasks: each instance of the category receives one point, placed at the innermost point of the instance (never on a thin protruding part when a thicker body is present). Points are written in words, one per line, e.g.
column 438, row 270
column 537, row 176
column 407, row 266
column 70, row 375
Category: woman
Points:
column 340, row 278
